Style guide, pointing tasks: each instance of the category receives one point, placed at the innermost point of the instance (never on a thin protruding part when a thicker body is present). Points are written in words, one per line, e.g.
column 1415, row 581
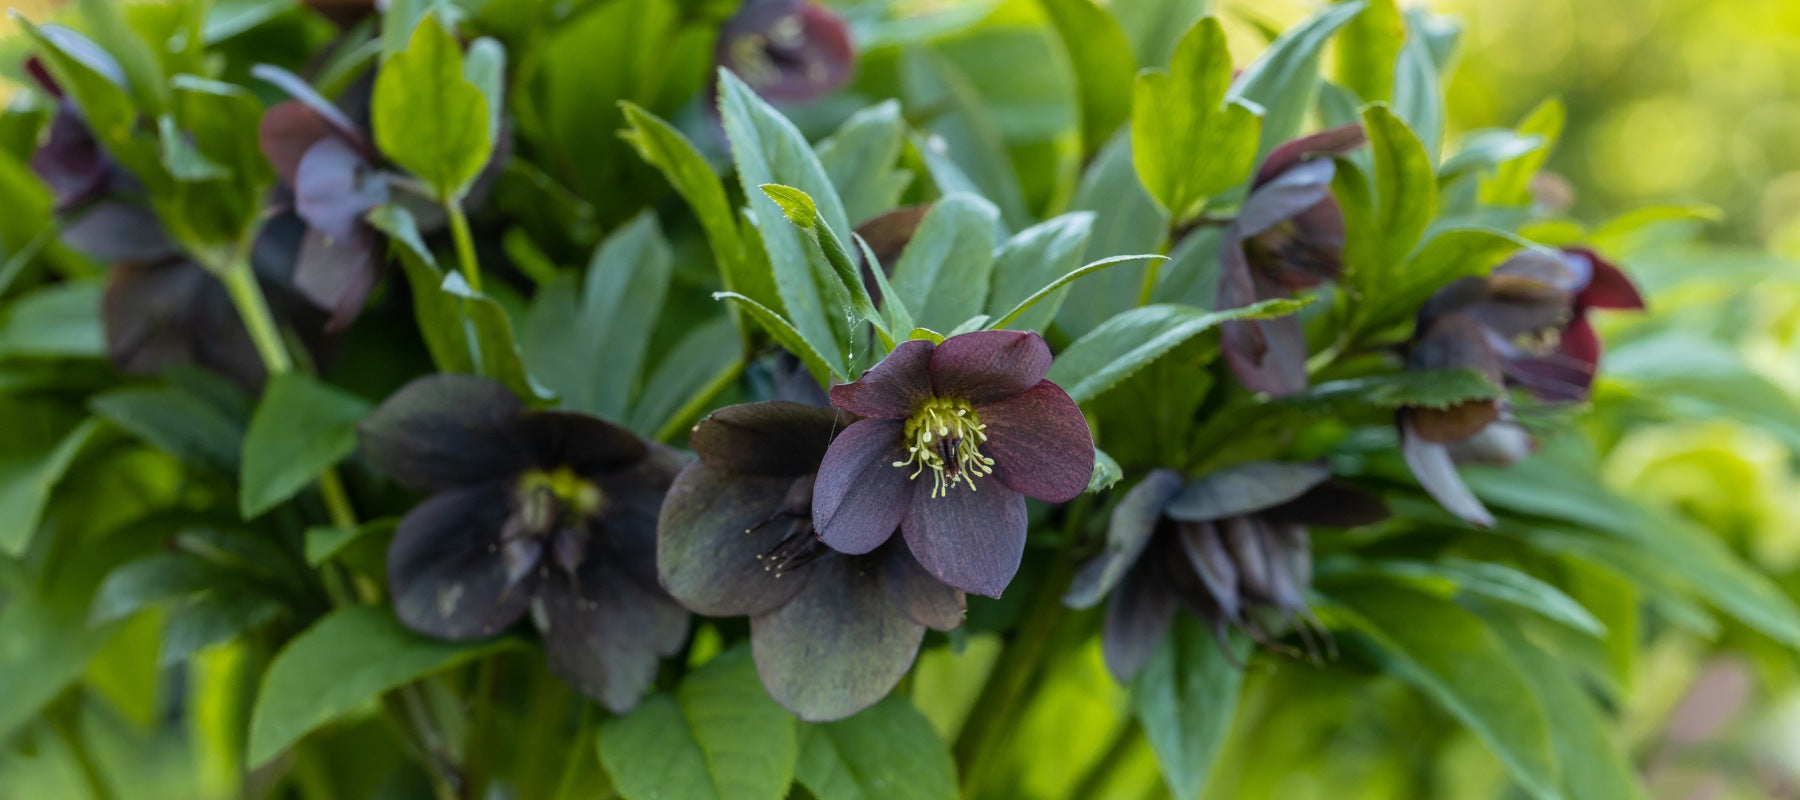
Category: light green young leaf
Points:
column 800, row 210
column 1284, row 80
column 1124, row 344
column 1484, row 151
column 1103, row 63
column 1185, row 697
column 428, row 117
column 301, row 428
column 339, row 665
column 1188, row 141
column 485, row 67
column 1368, row 50
column 718, row 737
column 1510, row 184
column 886, row 751
column 1404, row 202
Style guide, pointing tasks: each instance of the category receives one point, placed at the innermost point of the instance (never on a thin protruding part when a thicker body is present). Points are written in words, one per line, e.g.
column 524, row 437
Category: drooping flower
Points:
column 1231, row 548
column 953, row 437
column 1525, row 326
column 831, row 633
column 544, row 511
column 788, row 51
column 1288, row 235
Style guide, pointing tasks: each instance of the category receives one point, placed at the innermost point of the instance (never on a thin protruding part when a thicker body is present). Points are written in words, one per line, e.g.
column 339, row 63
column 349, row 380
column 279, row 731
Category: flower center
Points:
column 560, row 489
column 550, row 517
column 945, row 436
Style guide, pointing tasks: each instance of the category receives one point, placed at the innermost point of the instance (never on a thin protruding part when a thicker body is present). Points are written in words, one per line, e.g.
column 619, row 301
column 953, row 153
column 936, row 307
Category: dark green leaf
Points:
column 1185, row 698
column 942, row 275
column 213, row 617
column 1594, row 766
column 56, row 321
column 718, row 737
column 860, row 158
column 341, row 663
column 700, row 356
column 1484, row 579
column 1052, row 289
column 1126, row 220
column 181, row 422
column 324, row 542
column 301, row 428
column 27, row 476
column 1187, row 140
column 963, row 132
column 886, row 751
column 1124, row 344
column 139, row 584
column 1034, row 258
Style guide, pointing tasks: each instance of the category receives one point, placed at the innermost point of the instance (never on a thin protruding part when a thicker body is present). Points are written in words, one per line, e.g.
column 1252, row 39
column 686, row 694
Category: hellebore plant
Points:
column 1524, row 325
column 1223, row 547
column 831, row 633
column 953, row 437
column 549, row 512
column 1288, row 235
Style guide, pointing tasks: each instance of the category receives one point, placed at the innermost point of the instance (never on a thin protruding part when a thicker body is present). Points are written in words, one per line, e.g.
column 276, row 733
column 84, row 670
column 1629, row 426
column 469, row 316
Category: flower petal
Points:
column 715, row 525
column 1333, row 504
column 1244, row 489
column 1212, row 562
column 445, row 573
column 337, row 274
column 1331, row 142
column 1133, row 521
column 892, row 389
column 1267, row 355
column 606, row 636
column 289, row 129
column 1040, row 443
column 1608, row 286
column 838, row 646
column 1136, row 621
column 444, row 431
column 772, row 438
column 984, row 366
column 860, row 497
column 1563, row 376
column 1286, row 197
column 921, row 597
column 334, row 186
column 586, row 444
column 1432, row 466
column 633, row 501
column 970, row 539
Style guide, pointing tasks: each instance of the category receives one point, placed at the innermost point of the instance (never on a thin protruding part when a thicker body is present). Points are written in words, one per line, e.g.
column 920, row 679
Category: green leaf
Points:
column 1419, row 388
column 428, row 117
column 962, row 133
column 699, row 357
column 799, row 209
column 324, row 542
column 1052, row 288
column 228, row 18
column 147, row 581
column 769, row 149
column 183, row 161
column 1126, row 220
column 1693, row 377
column 1124, row 344
column 1418, row 88
column 28, row 477
column 1107, row 472
column 718, row 737
column 1405, row 200
column 1185, row 697
column 489, row 332
column 1452, row 656
column 1594, row 766
column 183, row 423
column 1368, row 50
column 1484, row 579
column 439, row 316
column 942, row 275
column 55, row 321
column 1103, row 63
column 1187, row 140
column 1510, row 184
column 213, row 617
column 1153, row 26
column 1284, row 80
column 339, row 665
column 1032, row 259
column 888, row 750
column 784, row 335
column 485, row 67
column 301, row 428
column 860, row 158
column 1484, row 151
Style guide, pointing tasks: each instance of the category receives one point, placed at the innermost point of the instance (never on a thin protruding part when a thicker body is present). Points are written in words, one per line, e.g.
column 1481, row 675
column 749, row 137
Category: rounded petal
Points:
column 1246, row 488
column 1331, row 142
column 444, row 431
column 860, row 497
column 289, row 129
column 633, row 501
column 1287, row 196
column 892, row 389
column 606, row 635
column 913, row 591
column 1565, row 375
column 772, row 438
column 1040, row 443
column 1133, row 521
column 337, row 275
column 715, row 524
column 1136, row 621
column 1436, row 471
column 445, row 571
column 1608, row 286
column 984, row 366
column 837, row 647
column 586, row 444
column 334, row 186
column 970, row 539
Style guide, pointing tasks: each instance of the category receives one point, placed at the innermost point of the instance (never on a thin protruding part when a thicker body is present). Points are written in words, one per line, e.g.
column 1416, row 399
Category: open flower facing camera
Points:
column 542, row 512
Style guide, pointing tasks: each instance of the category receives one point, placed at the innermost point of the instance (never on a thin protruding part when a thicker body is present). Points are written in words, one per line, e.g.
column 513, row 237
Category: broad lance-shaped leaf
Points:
column 1188, row 142
column 1484, row 579
column 1103, row 63
column 301, row 428
column 1126, row 220
column 942, row 275
column 1368, row 49
column 887, row 752
column 717, row 737
column 428, row 117
column 1511, row 182
column 1032, row 259
column 1124, row 344
column 1284, row 80
column 861, row 155
column 798, row 207
column 28, row 473
column 1054, row 287
column 1404, row 200
column 785, row 335
column 1593, row 765
column 1453, row 657
column 342, row 662
column 1185, row 698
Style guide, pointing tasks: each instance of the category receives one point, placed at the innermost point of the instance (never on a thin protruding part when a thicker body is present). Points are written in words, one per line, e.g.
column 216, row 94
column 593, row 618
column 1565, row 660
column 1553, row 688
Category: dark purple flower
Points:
column 788, row 51
column 1228, row 547
column 953, row 438
column 832, row 633
column 547, row 511
column 1525, row 326
column 1288, row 235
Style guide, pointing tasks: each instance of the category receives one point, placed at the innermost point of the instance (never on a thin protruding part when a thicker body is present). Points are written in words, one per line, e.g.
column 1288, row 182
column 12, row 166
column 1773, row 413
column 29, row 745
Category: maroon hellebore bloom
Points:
column 550, row 512
column 1221, row 546
column 1524, row 325
column 831, row 633
column 954, row 436
column 1288, row 235
column 788, row 51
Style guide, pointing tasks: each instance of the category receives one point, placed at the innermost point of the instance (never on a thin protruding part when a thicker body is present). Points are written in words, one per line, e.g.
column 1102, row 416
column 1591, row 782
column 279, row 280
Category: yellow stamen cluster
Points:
column 945, row 436
column 577, row 495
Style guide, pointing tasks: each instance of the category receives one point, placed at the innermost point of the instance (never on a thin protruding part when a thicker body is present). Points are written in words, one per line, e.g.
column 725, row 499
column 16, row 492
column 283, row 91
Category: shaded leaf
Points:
column 1185, row 698
column 301, row 428
column 889, row 750
column 1124, row 344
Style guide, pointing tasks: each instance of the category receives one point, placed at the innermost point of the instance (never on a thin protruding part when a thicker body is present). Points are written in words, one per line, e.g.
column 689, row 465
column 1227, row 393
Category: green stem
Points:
column 65, row 722
column 240, row 281
column 690, row 410
column 994, row 714
column 465, row 244
column 337, row 501
column 580, row 747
